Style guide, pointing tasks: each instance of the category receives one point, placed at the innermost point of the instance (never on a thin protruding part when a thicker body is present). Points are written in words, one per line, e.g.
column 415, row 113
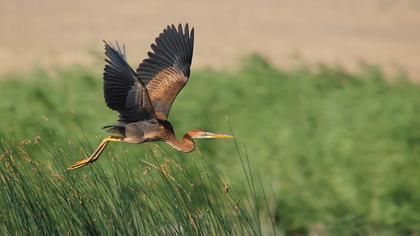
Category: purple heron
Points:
column 144, row 97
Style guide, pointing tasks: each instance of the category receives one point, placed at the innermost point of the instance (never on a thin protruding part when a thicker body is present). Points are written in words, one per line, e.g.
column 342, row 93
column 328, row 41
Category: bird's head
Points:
column 205, row 134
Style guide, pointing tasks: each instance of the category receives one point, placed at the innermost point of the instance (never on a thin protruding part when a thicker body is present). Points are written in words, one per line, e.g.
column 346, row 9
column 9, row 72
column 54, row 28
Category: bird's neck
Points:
column 184, row 145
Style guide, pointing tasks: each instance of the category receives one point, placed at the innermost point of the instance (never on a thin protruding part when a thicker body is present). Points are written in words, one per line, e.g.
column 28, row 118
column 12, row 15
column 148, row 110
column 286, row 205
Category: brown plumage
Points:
column 144, row 97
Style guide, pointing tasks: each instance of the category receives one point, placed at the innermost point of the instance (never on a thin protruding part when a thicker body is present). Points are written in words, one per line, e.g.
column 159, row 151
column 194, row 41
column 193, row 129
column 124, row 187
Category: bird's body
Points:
column 146, row 131
column 144, row 97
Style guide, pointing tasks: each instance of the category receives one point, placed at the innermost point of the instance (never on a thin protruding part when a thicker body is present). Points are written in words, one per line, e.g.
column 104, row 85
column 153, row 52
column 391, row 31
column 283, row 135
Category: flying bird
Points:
column 143, row 98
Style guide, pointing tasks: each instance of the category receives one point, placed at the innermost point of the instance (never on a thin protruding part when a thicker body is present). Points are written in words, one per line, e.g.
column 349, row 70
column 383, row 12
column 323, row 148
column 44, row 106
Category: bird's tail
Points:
column 117, row 130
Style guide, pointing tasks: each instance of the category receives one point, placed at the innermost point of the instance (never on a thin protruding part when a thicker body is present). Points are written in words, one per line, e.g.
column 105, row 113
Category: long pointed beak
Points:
column 221, row 136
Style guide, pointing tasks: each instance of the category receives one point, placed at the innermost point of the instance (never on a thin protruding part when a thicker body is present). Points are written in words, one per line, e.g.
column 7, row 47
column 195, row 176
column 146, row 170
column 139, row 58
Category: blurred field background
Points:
column 49, row 33
column 321, row 96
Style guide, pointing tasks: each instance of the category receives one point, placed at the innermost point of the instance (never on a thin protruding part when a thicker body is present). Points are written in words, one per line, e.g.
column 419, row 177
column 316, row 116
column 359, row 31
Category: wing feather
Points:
column 123, row 91
column 167, row 68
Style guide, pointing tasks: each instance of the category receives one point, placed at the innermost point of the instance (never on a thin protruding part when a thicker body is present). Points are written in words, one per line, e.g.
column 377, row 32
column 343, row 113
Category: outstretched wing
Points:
column 123, row 91
column 167, row 69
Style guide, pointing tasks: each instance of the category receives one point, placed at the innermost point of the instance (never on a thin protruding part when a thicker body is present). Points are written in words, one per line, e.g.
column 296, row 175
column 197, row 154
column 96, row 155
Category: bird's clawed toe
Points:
column 81, row 163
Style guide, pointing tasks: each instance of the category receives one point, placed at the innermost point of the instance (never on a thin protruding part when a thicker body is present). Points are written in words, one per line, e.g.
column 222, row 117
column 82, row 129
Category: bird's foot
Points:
column 95, row 154
column 82, row 163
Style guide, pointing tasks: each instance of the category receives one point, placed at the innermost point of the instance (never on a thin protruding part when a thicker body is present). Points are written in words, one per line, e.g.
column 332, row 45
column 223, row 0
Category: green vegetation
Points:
column 148, row 196
column 339, row 151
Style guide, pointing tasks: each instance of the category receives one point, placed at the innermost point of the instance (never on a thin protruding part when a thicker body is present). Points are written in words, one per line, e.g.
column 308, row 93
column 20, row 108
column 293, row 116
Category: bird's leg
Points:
column 96, row 153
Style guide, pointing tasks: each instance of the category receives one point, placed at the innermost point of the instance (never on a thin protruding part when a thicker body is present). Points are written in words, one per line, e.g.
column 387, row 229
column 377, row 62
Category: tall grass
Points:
column 340, row 151
column 151, row 194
